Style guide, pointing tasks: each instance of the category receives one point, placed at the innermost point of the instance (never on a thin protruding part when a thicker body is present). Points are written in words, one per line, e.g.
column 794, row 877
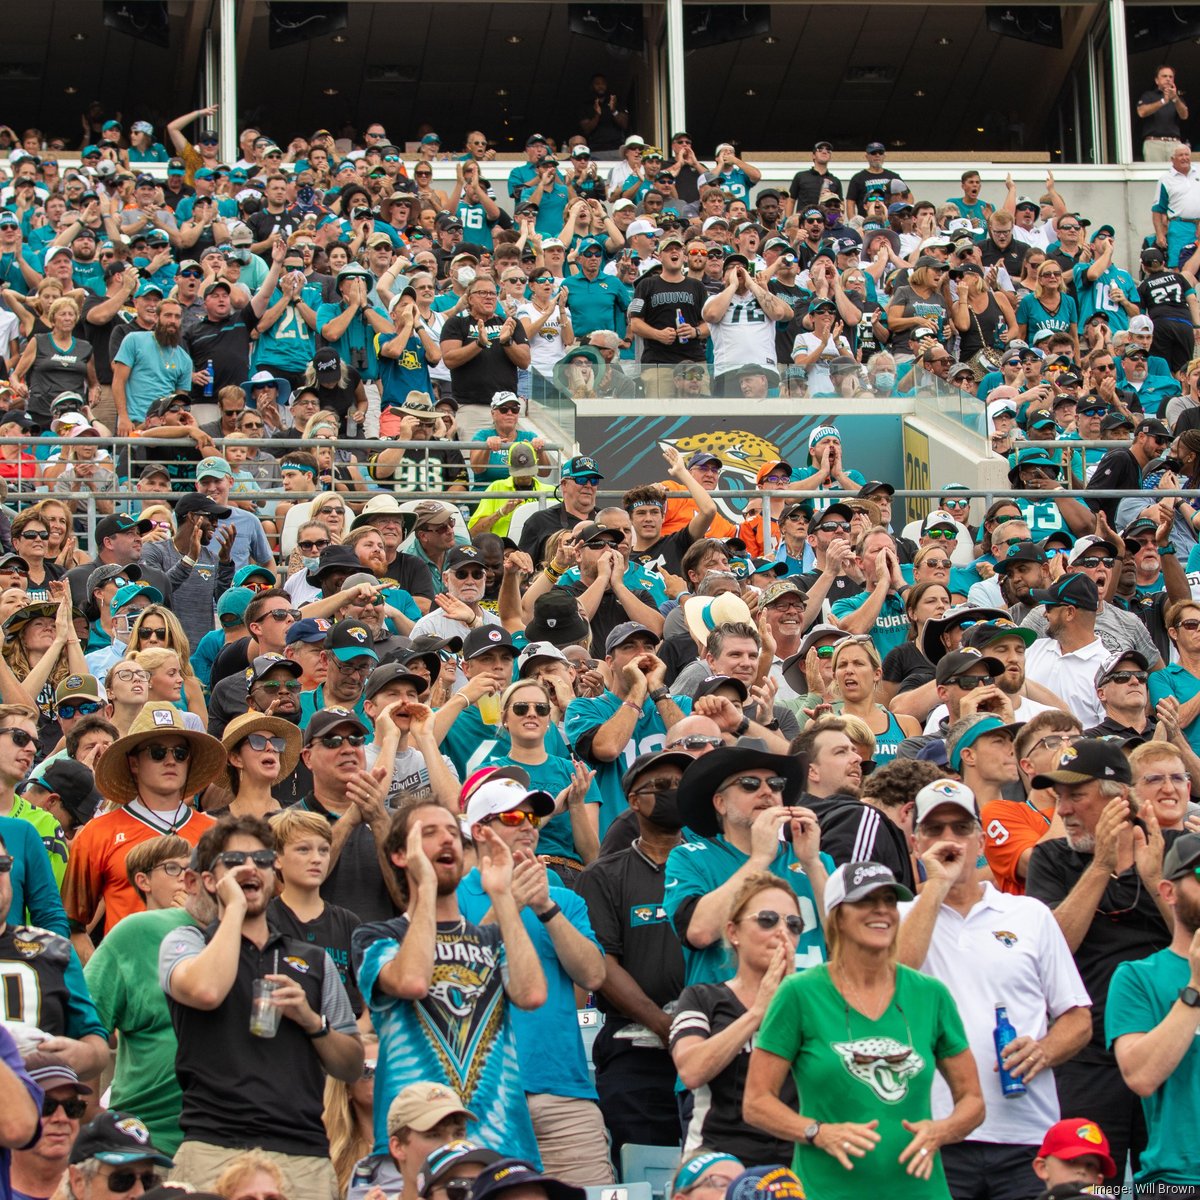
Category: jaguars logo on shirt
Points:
column 883, row 1064
column 1005, row 937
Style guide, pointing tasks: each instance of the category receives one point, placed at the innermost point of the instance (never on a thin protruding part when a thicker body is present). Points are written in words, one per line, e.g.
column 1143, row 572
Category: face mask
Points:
column 665, row 813
column 465, row 275
column 885, row 381
column 310, row 564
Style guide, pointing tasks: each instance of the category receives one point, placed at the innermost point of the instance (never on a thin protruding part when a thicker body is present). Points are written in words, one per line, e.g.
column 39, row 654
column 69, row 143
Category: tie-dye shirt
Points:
column 460, row 1034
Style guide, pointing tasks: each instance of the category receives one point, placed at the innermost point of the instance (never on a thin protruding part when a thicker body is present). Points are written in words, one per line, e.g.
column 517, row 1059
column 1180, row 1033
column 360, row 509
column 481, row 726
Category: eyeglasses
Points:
column 752, row 783
column 695, row 742
column 359, row 667
column 969, row 683
column 73, row 1108
column 261, row 742
column 123, row 1181
column 281, row 614
column 942, row 563
column 159, row 752
column 20, row 737
column 126, row 675
column 6, row 863
column 942, row 535
column 85, row 709
column 158, row 635
column 333, row 741
column 1096, row 561
column 1157, row 780
column 310, row 545
column 514, row 819
column 960, row 828
column 768, row 918
column 239, row 858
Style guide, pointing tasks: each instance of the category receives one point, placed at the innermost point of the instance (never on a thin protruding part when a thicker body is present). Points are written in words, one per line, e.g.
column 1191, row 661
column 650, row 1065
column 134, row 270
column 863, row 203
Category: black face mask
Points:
column 665, row 813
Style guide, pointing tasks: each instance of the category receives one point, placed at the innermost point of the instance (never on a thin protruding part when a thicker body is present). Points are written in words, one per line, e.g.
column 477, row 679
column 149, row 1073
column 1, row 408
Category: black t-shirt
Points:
column 542, row 526
column 806, row 187
column 340, row 398
column 666, row 552
column 263, row 223
column 1117, row 469
column 1151, row 609
column 907, row 666
column 785, row 331
column 624, row 896
column 609, row 612
column 227, row 344
column 880, row 183
column 1127, row 925
column 1162, row 296
column 332, row 931
column 99, row 336
column 659, row 303
column 687, row 183
column 232, row 659
column 706, row 1009
column 1010, row 258
column 171, row 199
column 33, row 964
column 490, row 371
column 1162, row 122
column 411, row 573
column 841, row 588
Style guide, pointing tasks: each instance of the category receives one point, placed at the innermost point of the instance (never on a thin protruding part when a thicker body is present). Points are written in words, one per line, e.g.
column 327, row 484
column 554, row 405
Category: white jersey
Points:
column 745, row 334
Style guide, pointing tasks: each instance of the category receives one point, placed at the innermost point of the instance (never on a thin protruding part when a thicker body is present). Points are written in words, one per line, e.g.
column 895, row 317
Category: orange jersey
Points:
column 681, row 510
column 1011, row 827
column 96, row 868
column 751, row 532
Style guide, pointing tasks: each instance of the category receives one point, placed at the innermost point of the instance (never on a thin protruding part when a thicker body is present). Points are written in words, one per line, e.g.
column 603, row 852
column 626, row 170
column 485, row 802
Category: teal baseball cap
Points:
column 123, row 595
column 972, row 734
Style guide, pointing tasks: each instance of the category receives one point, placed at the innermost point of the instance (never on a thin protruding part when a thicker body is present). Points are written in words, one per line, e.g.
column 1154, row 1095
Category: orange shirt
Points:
column 1010, row 828
column 751, row 532
column 680, row 512
column 96, row 868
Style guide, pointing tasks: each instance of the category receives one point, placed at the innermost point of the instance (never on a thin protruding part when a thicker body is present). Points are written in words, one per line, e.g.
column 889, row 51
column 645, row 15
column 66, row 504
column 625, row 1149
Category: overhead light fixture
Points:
column 329, row 91
column 513, row 39
column 340, row 39
column 944, row 41
column 919, row 93
column 979, row 129
column 751, row 92
column 70, row 91
column 898, row 144
column 770, row 40
column 502, row 92
column 79, row 37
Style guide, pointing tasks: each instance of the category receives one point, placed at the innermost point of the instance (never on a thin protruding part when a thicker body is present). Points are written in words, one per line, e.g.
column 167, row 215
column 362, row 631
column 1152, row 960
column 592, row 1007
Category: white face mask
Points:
column 465, row 276
column 310, row 563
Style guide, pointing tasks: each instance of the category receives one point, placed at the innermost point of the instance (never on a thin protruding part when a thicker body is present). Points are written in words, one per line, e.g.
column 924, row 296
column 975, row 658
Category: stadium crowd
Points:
column 371, row 829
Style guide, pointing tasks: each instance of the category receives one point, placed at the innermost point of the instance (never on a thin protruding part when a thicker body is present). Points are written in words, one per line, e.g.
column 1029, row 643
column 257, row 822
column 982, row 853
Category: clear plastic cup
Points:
column 489, row 709
column 264, row 1016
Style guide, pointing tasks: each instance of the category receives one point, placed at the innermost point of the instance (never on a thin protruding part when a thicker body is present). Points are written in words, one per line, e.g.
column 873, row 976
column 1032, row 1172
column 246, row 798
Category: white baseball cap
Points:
column 944, row 791
column 646, row 227
column 536, row 650
column 501, row 796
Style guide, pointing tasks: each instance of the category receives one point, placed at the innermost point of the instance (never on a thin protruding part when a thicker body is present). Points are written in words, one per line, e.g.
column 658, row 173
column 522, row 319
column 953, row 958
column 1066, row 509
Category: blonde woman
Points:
column 41, row 647
column 55, row 362
column 30, row 539
column 32, row 311
column 922, row 303
column 331, row 511
column 167, row 684
column 158, row 628
column 348, row 1108
column 857, row 672
column 979, row 313
column 63, row 547
column 1048, row 306
column 164, row 523
column 932, row 564
column 251, row 1175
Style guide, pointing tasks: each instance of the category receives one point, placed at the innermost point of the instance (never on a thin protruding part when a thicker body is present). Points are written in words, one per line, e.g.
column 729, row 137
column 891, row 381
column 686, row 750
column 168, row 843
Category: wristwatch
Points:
column 743, row 725
column 810, row 1134
column 659, row 693
column 1190, row 997
column 322, row 1031
column 1167, row 549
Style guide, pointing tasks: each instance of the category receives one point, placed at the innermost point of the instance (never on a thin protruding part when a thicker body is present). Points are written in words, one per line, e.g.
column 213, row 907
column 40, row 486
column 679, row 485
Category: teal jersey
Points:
column 497, row 467
column 519, row 178
column 599, row 303
column 585, row 714
column 477, row 227
column 1043, row 518
column 979, row 211
column 314, row 701
column 1035, row 318
column 735, row 182
column 156, row 153
column 357, row 338
column 289, row 344
column 1091, row 295
column 226, row 207
column 553, row 775
column 1140, row 996
column 635, row 576
column 399, row 376
column 697, row 867
column 891, row 626
column 551, row 207
column 1173, row 680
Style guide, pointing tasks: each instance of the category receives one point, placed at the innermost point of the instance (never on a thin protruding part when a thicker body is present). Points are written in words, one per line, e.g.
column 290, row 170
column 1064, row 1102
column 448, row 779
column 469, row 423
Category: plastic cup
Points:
column 489, row 709
column 264, row 1016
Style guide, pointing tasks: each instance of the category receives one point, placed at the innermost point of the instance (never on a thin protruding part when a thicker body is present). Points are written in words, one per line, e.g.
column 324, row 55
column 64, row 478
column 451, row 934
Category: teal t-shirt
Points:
column 1034, row 317
column 891, row 626
column 290, row 342
column 1173, row 680
column 849, row 1068
column 699, row 866
column 1139, row 998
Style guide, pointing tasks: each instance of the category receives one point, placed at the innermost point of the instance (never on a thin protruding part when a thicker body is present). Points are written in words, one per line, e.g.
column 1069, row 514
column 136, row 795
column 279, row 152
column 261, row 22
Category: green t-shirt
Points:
column 848, row 1068
column 1139, row 998
column 123, row 978
column 49, row 830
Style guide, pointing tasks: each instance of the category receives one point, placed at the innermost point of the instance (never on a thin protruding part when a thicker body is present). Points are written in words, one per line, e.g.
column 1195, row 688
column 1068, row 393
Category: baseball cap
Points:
column 74, row 785
column 442, row 1161
column 944, row 791
column 980, row 725
column 117, row 1139
column 500, row 796
column 538, row 652
column 938, row 519
column 327, row 719
column 50, row 1071
column 1182, row 857
column 778, row 588
column 487, row 637
column 430, row 512
column 1141, row 324
column 1077, row 590
column 955, row 662
column 348, row 640
column 262, row 663
column 311, row 630
column 1075, row 1137
column 123, row 595
column 82, row 687
column 766, row 1183
column 515, row 1173
column 1087, row 759
column 1152, row 426
column 1089, row 545
column 623, row 632
column 234, row 602
column 421, row 1106
column 213, row 466
column 192, row 502
column 640, row 226
column 855, row 881
column 581, row 467
column 392, row 672
column 522, row 461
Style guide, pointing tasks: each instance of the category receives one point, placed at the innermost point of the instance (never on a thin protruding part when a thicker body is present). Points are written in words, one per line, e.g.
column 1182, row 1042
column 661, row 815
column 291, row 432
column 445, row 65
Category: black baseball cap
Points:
column 1183, row 856
column 195, row 502
column 1152, row 426
column 120, row 523
column 957, row 662
column 1087, row 759
column 393, row 672
column 263, row 663
column 117, row 1139
column 461, row 556
column 487, row 637
column 330, row 718
column 1020, row 552
column 75, row 786
column 1071, row 590
column 508, row 1173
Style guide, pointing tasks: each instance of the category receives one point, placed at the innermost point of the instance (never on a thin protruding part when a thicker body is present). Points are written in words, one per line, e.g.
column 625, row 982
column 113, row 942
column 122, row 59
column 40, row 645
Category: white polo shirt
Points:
column 1071, row 676
column 1007, row 950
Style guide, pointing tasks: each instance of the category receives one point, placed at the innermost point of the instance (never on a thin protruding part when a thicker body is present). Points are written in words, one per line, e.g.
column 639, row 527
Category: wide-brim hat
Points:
column 18, row 620
column 703, row 614
column 707, row 773
column 114, row 779
column 930, row 643
column 589, row 352
column 252, row 722
column 384, row 505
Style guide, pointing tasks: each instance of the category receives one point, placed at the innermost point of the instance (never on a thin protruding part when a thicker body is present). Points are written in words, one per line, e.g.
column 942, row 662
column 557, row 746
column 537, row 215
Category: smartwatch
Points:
column 1190, row 997
column 322, row 1031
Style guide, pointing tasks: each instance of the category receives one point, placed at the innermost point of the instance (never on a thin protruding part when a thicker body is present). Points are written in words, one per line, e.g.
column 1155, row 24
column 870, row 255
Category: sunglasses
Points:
column 20, row 738
column 238, row 858
column 942, row 563
column 309, row 545
column 696, row 741
column 333, row 741
column 158, row 635
column 85, row 709
column 6, row 863
column 260, row 741
column 40, row 535
column 752, row 783
column 543, row 279
column 956, row 503
column 252, row 425
column 123, row 1181
column 834, row 526
column 514, row 819
column 1191, row 624
column 768, row 918
column 511, row 409
column 942, row 535
column 74, row 1110
column 960, row 828
column 969, row 683
column 1096, row 561
column 469, row 573
column 279, row 614
column 1128, row 676
column 190, row 275
column 158, row 752
column 524, row 707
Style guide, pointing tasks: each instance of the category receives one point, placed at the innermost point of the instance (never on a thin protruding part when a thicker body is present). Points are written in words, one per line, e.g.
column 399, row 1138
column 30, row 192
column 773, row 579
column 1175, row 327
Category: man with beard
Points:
column 405, row 571
column 1152, row 1024
column 1104, row 882
column 150, row 365
column 349, row 659
column 460, row 610
column 212, row 978
column 1007, row 643
column 851, row 830
column 647, row 507
column 1021, row 570
column 737, row 801
column 409, row 970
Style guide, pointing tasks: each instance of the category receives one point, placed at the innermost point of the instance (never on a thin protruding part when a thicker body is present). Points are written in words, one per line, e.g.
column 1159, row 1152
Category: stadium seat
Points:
column 621, row 1191
column 654, row 1166
column 591, row 1021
